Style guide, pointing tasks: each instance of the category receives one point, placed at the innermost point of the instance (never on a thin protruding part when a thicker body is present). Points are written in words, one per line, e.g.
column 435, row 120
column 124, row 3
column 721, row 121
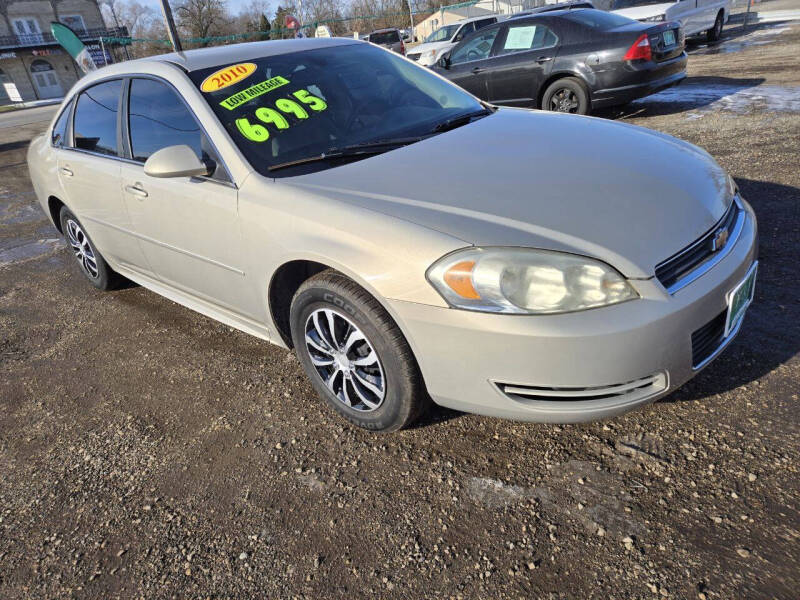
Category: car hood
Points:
column 643, row 12
column 629, row 196
column 427, row 47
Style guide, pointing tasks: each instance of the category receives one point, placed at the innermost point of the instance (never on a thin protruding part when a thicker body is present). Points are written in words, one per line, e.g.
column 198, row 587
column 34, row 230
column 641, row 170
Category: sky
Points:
column 233, row 5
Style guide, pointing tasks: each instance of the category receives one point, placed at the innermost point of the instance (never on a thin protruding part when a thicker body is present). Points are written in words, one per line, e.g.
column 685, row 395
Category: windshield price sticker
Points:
column 254, row 91
column 277, row 116
column 227, row 76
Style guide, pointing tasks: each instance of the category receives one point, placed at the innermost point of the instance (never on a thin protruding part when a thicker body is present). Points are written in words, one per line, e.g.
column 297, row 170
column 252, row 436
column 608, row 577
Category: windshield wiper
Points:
column 462, row 119
column 362, row 149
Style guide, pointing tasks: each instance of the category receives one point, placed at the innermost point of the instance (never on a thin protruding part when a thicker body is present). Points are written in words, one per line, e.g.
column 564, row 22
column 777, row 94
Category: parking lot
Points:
column 149, row 452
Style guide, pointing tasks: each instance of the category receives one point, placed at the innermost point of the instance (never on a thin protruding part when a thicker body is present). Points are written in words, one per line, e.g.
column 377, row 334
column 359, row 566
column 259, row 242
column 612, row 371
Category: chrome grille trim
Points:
column 708, row 259
column 638, row 388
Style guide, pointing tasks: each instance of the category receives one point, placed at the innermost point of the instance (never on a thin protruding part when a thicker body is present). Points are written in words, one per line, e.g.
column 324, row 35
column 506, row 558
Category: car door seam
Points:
column 167, row 246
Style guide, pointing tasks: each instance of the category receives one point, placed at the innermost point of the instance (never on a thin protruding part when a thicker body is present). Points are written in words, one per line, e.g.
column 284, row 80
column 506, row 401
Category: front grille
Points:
column 413, row 56
column 630, row 390
column 677, row 270
column 708, row 338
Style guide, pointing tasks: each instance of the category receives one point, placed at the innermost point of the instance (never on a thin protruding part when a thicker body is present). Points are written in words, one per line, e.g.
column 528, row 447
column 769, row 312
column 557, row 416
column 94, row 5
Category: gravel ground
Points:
column 148, row 452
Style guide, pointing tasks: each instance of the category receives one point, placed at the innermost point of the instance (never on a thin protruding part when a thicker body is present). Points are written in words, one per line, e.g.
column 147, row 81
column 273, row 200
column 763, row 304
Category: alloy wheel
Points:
column 564, row 100
column 82, row 249
column 345, row 360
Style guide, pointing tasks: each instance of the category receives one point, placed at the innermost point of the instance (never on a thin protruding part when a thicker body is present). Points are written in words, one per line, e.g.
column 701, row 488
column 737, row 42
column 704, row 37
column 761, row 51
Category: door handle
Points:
column 66, row 171
column 476, row 70
column 136, row 190
column 544, row 59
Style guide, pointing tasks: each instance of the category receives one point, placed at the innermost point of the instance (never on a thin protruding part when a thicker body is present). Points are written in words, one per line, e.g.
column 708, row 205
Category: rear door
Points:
column 470, row 62
column 523, row 58
column 89, row 170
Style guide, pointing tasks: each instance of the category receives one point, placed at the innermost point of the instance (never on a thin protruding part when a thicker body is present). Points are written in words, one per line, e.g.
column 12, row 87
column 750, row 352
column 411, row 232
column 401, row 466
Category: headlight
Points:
column 656, row 19
column 520, row 280
column 429, row 55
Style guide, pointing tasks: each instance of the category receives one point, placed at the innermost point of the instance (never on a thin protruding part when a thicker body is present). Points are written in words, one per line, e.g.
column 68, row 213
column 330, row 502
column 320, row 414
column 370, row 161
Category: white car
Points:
column 695, row 16
column 444, row 38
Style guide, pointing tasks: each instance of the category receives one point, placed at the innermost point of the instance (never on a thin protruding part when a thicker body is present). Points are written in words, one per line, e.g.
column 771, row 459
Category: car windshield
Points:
column 384, row 37
column 618, row 4
column 290, row 107
column 443, row 34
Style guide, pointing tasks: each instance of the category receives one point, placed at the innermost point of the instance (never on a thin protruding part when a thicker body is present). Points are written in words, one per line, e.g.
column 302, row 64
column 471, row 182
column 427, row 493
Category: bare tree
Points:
column 203, row 18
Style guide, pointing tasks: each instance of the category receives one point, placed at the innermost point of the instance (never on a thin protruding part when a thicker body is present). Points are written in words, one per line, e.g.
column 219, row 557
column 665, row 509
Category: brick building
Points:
column 33, row 65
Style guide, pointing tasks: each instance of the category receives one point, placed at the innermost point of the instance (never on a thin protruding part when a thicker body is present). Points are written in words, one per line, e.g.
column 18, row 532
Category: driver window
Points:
column 158, row 118
column 464, row 32
column 476, row 48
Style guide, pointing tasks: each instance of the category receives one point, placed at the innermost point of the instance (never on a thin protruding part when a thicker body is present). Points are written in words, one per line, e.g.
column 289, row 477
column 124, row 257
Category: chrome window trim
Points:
column 136, row 163
column 715, row 258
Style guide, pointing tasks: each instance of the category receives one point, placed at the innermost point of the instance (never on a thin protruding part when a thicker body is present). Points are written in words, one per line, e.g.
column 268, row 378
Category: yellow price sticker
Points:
column 227, row 76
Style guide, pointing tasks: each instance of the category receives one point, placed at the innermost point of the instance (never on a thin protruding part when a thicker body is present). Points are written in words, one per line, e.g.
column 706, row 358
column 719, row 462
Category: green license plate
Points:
column 669, row 37
column 739, row 299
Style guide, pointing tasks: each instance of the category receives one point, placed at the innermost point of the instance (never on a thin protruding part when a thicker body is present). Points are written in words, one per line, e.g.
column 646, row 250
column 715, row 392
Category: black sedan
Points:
column 567, row 61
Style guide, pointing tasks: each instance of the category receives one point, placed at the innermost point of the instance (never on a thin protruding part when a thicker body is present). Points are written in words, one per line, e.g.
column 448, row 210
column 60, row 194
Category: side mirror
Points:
column 176, row 161
column 444, row 61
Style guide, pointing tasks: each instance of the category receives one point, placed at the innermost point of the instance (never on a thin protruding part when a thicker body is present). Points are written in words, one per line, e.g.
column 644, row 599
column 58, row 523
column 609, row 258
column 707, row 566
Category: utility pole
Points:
column 170, row 22
column 411, row 16
column 110, row 4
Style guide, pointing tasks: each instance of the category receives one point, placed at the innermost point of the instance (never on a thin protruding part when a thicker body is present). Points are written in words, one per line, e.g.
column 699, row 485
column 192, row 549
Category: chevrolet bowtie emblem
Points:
column 720, row 239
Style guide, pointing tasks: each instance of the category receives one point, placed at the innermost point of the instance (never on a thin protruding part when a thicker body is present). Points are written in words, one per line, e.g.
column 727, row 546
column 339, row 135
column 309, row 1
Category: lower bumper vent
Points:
column 629, row 391
column 707, row 339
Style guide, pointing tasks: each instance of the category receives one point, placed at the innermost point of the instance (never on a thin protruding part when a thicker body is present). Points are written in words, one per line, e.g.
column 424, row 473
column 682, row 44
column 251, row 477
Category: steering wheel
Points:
column 413, row 96
column 355, row 113
column 473, row 55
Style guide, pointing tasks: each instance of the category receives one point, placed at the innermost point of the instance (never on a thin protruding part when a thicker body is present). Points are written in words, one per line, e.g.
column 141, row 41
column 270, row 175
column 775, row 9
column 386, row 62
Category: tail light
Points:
column 640, row 49
column 402, row 48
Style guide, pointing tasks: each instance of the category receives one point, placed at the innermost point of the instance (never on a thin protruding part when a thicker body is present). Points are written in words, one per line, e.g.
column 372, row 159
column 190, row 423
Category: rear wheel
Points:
column 92, row 263
column 713, row 34
column 355, row 355
column 567, row 95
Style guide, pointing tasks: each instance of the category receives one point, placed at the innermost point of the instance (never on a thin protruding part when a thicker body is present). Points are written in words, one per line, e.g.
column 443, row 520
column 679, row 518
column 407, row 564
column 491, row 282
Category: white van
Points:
column 696, row 16
column 444, row 38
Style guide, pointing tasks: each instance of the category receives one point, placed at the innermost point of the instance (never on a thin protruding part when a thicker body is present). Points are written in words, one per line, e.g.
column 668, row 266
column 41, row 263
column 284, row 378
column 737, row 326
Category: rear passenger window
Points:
column 527, row 37
column 158, row 118
column 95, row 121
column 58, row 137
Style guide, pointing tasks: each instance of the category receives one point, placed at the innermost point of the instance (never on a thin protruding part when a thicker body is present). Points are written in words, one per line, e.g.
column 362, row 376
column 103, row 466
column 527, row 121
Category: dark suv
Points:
column 389, row 38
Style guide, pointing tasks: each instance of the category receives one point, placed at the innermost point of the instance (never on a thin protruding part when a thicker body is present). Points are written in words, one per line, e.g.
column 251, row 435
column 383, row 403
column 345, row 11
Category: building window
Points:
column 27, row 30
column 46, row 80
column 74, row 22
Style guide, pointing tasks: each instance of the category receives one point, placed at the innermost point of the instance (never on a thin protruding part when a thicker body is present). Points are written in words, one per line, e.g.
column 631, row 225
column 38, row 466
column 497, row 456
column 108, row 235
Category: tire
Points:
column 93, row 265
column 568, row 94
column 397, row 396
column 713, row 34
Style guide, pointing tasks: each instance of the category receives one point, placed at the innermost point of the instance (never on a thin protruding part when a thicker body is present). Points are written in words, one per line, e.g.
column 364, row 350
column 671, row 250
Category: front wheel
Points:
column 713, row 34
column 355, row 355
column 567, row 95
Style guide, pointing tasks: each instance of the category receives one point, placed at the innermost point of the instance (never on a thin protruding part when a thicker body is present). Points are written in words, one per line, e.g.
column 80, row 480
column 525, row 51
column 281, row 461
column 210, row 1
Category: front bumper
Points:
column 575, row 363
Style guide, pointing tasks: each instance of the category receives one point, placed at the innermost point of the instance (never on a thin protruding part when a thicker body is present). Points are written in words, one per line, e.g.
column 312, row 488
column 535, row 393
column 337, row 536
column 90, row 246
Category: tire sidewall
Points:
column 102, row 280
column 394, row 409
column 573, row 85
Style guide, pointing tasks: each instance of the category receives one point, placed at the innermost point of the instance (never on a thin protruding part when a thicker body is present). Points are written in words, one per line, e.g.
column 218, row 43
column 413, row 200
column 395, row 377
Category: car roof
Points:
column 203, row 58
column 385, row 30
column 470, row 19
